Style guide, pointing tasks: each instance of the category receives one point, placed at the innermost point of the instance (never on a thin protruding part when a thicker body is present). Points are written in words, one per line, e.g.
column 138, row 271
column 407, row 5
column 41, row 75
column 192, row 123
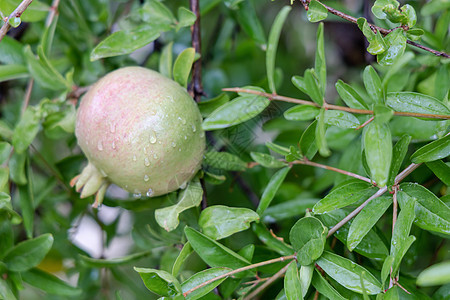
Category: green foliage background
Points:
column 257, row 168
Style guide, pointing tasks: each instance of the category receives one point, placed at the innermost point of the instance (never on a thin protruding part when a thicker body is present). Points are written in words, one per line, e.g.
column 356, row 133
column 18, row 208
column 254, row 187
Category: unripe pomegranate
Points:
column 140, row 131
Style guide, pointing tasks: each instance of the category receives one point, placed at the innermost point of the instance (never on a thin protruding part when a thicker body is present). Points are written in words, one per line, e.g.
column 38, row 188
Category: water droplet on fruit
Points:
column 137, row 195
column 145, row 150
column 146, row 162
column 185, row 137
column 113, row 145
column 194, row 129
column 183, row 121
column 146, row 178
column 152, row 137
column 100, row 146
column 174, row 144
column 149, row 193
column 159, row 142
column 134, row 158
column 183, row 185
column 112, row 127
column 155, row 156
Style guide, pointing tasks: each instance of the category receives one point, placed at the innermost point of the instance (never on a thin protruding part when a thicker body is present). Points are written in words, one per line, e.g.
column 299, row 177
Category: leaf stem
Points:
column 249, row 267
column 380, row 192
column 15, row 14
column 330, row 106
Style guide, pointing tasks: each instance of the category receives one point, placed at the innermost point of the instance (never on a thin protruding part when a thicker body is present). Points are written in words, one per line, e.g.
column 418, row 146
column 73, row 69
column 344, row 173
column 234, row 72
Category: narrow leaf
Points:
column 378, row 151
column 114, row 262
column 165, row 61
column 398, row 155
column 267, row 238
column 372, row 82
column 224, row 161
column 292, row 285
column 441, row 170
column 438, row 274
column 49, row 283
column 435, row 150
column 266, row 160
column 416, row 103
column 308, row 145
column 159, row 282
column 350, row 96
column 340, row 119
column 271, row 189
column 182, row 66
column 301, row 113
column 181, row 258
column 321, row 285
column 200, row 278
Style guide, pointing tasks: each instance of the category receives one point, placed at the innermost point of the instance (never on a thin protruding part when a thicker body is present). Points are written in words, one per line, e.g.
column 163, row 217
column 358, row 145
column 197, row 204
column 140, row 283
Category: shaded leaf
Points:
column 441, row 170
column 165, row 60
column 181, row 258
column 159, row 282
column 398, row 155
column 308, row 145
column 292, row 285
column 435, row 150
column 313, row 86
column 185, row 18
column 113, row 262
column 27, row 129
column 208, row 106
column 10, row 72
column 321, row 285
column 320, row 139
column 288, row 209
column 266, row 160
column 49, row 283
column 436, row 274
column 308, row 236
column 224, row 161
column 272, row 242
column 249, row 21
column 201, row 277
column 277, row 148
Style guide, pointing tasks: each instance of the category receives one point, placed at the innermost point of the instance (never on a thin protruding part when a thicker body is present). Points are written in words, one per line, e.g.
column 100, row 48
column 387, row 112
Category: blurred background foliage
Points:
column 233, row 55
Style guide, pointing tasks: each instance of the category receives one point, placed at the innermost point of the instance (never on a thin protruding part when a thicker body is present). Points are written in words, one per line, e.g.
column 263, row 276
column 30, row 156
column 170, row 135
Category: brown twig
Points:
column 394, row 208
column 53, row 13
column 246, row 268
column 277, row 275
column 365, row 123
column 380, row 192
column 15, row 14
column 331, row 106
column 307, row 162
column 196, row 87
column 383, row 31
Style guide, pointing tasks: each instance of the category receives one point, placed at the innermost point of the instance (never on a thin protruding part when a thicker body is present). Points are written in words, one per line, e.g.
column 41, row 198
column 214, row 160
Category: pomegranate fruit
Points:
column 139, row 130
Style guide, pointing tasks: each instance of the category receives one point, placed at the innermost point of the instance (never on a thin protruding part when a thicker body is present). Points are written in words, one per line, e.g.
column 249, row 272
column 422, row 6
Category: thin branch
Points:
column 394, row 208
column 331, row 106
column 268, row 282
column 383, row 31
column 307, row 162
column 365, row 123
column 15, row 14
column 380, row 192
column 196, row 88
column 246, row 268
column 53, row 12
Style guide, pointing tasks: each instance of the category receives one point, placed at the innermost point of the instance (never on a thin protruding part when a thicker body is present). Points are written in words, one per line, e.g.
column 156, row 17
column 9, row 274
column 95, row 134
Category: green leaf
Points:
column 348, row 273
column 271, row 189
column 28, row 254
column 159, row 282
column 182, row 66
column 316, row 11
column 313, row 87
column 320, row 138
column 441, row 170
column 437, row 274
column 431, row 213
column 341, row 119
column 301, row 113
column 208, row 106
column 308, row 237
column 181, row 258
column 213, row 253
column 10, row 72
column 350, row 96
column 308, row 145
column 114, row 262
column 372, row 83
column 237, row 111
column 323, row 287
column 49, row 283
column 272, row 45
column 382, row 114
column 435, row 150
column 378, row 6
column 166, row 60
column 416, row 103
column 43, row 71
column 270, row 240
column 167, row 217
column 48, row 35
column 366, row 219
column 249, row 22
column 320, row 63
column 378, row 151
column 398, row 155
column 293, row 155
column 299, row 82
column 27, row 205
column 376, row 42
column 5, row 291
column 224, row 161
column 306, row 275
column 266, row 160
column 126, row 41
column 155, row 12
column 11, row 52
column 185, row 18
column 277, row 148
column 288, row 209
column 396, row 43
column 220, row 221
column 17, row 168
column 201, row 277
column 401, row 240
column 292, row 285
column 410, row 14
column 344, row 194
column 27, row 129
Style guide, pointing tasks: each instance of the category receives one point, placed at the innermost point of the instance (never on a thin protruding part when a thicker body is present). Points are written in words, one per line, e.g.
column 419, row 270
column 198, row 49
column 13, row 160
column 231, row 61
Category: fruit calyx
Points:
column 91, row 181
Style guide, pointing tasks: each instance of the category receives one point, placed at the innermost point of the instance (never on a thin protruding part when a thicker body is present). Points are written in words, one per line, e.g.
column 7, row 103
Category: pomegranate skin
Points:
column 140, row 131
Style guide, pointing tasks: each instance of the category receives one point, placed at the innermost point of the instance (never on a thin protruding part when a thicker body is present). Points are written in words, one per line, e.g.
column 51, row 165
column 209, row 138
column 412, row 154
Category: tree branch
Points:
column 196, row 87
column 15, row 14
column 383, row 31
column 331, row 106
